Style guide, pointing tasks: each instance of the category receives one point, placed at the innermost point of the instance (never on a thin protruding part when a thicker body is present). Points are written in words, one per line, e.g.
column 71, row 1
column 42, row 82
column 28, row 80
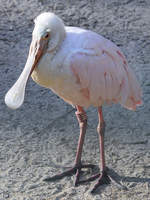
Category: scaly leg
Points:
column 103, row 178
column 82, row 119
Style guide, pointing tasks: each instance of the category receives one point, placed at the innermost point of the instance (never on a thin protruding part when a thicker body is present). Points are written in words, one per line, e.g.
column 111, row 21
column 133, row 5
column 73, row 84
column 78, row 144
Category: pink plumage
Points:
column 100, row 69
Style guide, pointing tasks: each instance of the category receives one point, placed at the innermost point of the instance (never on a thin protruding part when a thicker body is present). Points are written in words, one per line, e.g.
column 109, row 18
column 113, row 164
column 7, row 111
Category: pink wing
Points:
column 105, row 77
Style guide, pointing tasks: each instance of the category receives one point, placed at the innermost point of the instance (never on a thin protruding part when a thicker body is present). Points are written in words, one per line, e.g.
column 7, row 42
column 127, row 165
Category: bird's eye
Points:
column 46, row 36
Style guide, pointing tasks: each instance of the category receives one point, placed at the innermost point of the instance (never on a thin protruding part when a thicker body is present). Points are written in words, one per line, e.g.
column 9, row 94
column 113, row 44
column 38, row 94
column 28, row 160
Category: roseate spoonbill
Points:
column 83, row 68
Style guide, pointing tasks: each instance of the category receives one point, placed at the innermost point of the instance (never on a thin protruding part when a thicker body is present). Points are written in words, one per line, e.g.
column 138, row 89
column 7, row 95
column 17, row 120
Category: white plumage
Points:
column 81, row 66
column 87, row 69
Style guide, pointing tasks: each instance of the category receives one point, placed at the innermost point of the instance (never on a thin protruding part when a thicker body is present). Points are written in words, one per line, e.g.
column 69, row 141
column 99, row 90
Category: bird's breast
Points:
column 51, row 73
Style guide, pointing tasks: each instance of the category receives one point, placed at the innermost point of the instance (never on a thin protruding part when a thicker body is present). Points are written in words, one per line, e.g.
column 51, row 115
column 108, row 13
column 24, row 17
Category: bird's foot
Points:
column 77, row 169
column 103, row 178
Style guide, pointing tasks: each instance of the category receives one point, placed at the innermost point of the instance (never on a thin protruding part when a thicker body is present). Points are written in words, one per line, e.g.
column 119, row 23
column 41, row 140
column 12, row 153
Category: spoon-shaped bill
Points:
column 15, row 96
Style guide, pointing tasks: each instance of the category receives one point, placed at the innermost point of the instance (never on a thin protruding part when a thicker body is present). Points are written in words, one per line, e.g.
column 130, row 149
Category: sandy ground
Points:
column 40, row 138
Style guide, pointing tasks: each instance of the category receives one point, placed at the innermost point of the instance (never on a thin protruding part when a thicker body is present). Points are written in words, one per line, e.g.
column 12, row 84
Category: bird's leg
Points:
column 101, row 131
column 82, row 119
column 104, row 177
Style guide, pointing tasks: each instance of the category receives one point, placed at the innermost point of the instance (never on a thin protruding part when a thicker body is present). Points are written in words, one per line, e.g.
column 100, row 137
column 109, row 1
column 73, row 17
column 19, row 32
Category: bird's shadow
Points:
column 128, row 178
column 119, row 180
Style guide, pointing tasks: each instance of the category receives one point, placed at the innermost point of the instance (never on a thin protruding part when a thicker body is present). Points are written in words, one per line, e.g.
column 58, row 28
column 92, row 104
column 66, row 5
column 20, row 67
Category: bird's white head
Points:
column 48, row 33
column 49, row 27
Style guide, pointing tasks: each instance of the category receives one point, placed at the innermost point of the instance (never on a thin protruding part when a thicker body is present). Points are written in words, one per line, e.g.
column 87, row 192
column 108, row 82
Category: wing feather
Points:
column 106, row 76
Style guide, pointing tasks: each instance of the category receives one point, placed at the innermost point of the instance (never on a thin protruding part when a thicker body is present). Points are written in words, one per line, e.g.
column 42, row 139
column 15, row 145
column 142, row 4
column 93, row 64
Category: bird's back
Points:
column 78, row 38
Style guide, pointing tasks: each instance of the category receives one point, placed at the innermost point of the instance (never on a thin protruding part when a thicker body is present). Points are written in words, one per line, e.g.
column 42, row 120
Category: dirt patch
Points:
column 40, row 138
